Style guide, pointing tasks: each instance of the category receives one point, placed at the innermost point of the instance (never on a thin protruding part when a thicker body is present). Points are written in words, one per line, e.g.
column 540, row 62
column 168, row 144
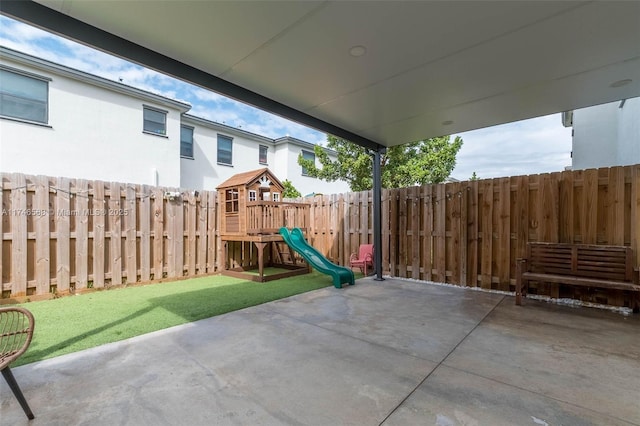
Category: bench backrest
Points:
column 582, row 260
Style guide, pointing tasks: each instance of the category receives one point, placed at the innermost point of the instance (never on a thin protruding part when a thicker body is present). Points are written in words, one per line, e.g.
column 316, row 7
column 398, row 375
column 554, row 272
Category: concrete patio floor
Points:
column 392, row 353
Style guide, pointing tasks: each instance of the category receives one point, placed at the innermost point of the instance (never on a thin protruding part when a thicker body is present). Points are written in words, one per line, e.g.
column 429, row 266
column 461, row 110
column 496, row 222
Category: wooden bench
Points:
column 598, row 266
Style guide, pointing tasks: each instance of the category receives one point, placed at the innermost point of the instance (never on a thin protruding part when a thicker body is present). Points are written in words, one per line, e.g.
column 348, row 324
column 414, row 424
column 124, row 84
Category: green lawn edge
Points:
column 73, row 323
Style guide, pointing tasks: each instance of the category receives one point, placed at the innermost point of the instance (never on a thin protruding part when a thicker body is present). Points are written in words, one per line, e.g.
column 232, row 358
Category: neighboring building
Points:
column 605, row 135
column 58, row 121
column 212, row 152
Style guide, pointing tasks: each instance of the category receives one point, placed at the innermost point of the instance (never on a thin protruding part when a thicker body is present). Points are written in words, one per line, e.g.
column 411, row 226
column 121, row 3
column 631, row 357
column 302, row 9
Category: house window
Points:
column 276, row 196
column 263, row 154
column 307, row 155
column 186, row 141
column 225, row 145
column 231, row 201
column 252, row 195
column 24, row 97
column 155, row 121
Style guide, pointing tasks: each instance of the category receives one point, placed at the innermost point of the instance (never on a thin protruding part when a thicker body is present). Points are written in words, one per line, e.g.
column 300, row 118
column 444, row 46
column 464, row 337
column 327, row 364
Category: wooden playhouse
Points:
column 252, row 213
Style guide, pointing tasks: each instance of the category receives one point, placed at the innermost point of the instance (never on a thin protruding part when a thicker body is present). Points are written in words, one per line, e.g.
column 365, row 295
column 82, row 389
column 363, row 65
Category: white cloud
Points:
column 538, row 145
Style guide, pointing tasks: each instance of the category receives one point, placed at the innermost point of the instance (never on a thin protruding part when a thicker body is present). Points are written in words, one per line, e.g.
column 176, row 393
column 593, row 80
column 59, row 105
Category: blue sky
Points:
column 532, row 146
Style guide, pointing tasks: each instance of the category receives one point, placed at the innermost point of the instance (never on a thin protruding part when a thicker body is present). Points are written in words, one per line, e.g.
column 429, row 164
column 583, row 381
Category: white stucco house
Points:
column 59, row 121
column 605, row 135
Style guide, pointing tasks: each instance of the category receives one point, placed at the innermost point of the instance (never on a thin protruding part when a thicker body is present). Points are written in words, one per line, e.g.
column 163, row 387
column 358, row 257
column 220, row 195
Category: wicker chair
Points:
column 16, row 331
column 363, row 259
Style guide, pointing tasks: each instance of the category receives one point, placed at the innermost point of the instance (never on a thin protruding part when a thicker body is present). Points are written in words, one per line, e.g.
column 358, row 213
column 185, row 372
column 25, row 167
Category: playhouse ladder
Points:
column 284, row 254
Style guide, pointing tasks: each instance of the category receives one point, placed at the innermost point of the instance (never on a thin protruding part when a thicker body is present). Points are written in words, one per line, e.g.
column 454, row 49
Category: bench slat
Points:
column 587, row 265
column 580, row 281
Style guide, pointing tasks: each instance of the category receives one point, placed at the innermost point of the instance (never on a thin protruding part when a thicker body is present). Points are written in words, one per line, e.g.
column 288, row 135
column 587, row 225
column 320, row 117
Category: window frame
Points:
column 231, row 200
column 305, row 172
column 262, row 148
column 253, row 195
column 218, row 159
column 27, row 100
column 163, row 133
column 192, row 129
column 275, row 196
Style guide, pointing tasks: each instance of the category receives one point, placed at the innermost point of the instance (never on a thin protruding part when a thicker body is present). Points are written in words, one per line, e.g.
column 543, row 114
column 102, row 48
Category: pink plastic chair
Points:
column 363, row 259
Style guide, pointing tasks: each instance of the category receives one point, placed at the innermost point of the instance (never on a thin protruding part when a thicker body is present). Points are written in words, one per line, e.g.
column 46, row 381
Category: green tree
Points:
column 474, row 176
column 290, row 191
column 416, row 163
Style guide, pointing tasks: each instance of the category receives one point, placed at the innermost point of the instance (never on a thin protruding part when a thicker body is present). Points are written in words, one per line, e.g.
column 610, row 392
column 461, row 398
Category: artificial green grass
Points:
column 72, row 323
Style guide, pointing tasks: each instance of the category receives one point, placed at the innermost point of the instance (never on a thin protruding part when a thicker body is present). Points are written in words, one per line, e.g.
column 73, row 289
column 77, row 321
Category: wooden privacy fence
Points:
column 471, row 233
column 62, row 235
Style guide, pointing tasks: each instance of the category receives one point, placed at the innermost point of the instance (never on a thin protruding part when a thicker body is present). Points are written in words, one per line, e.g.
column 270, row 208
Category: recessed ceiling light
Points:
column 357, row 51
column 621, row 83
column 447, row 122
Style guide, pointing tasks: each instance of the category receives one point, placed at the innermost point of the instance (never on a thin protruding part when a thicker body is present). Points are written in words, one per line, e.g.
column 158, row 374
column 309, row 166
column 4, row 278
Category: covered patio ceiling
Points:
column 380, row 73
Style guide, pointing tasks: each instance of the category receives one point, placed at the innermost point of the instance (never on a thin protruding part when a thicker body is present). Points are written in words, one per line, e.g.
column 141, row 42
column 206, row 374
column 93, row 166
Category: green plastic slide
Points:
column 295, row 240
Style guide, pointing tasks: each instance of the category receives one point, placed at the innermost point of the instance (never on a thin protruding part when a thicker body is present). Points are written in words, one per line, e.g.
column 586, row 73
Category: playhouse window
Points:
column 276, row 196
column 252, row 195
column 231, row 201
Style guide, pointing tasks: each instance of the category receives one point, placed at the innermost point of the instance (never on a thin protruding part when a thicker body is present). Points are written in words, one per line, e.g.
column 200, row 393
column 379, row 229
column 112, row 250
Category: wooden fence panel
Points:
column 566, row 217
column 144, row 219
column 453, row 233
column 41, row 226
column 179, row 209
column 190, row 240
column 214, row 246
column 502, row 253
column 130, row 234
column 590, row 206
column 81, row 242
column 402, row 233
column 614, row 223
column 158, row 212
column 414, row 221
column 427, row 232
column 440, row 234
column 18, row 217
column 386, row 230
column 201, row 257
column 64, row 235
column 473, row 271
column 336, row 249
column 115, row 229
column 99, row 234
column 486, row 230
column 466, row 233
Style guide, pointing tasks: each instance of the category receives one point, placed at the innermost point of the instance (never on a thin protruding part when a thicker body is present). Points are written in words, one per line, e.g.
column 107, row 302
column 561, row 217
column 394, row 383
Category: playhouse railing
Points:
column 267, row 217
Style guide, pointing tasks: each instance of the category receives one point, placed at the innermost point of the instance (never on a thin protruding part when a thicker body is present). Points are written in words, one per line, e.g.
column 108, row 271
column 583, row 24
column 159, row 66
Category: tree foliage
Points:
column 416, row 163
column 290, row 191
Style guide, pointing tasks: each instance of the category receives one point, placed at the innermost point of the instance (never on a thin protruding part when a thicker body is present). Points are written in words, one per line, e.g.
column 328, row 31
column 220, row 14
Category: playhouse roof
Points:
column 249, row 177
